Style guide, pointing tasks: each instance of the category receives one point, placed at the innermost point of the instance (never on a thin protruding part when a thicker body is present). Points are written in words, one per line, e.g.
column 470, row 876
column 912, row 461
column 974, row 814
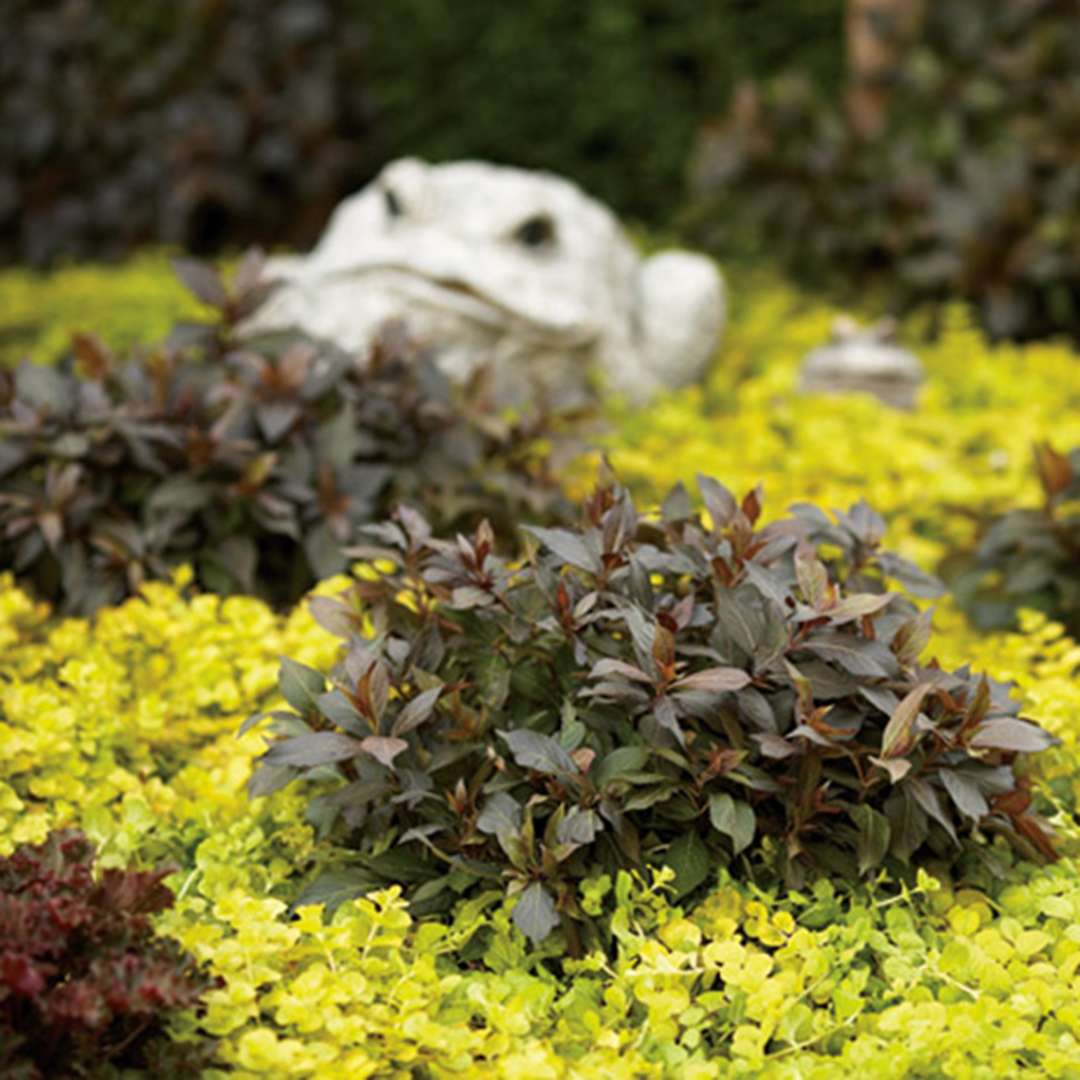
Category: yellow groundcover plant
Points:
column 135, row 303
column 126, row 726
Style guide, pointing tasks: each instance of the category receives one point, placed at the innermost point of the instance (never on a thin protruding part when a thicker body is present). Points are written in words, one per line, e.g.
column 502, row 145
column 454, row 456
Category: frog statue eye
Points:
column 536, row 232
column 393, row 204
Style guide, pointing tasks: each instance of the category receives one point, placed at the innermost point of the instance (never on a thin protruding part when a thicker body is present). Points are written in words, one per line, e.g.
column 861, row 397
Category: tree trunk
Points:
column 879, row 33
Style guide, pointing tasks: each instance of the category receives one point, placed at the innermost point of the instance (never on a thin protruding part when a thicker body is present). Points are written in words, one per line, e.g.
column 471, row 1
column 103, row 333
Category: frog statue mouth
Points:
column 491, row 265
column 420, row 290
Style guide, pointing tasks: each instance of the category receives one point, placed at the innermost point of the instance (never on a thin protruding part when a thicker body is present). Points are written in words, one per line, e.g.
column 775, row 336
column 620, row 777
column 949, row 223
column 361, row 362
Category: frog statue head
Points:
column 516, row 272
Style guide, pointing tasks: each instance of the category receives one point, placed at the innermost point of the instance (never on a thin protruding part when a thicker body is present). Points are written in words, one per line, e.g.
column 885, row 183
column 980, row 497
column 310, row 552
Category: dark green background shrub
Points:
column 222, row 123
column 609, row 92
column 254, row 462
column 84, row 984
column 973, row 192
column 642, row 692
column 190, row 123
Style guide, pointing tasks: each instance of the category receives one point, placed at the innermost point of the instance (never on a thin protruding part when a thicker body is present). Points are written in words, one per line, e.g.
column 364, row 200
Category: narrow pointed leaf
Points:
column 714, row 680
column 897, row 739
column 317, row 748
column 416, row 711
column 567, row 546
column 873, row 837
column 1009, row 734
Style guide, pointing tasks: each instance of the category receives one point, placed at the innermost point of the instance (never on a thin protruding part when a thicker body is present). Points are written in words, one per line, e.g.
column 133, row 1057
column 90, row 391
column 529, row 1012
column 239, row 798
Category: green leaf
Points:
column 341, row 712
column 501, row 814
column 620, row 762
column 267, row 779
column 642, row 629
column 927, row 798
column 416, row 711
column 718, row 501
column 912, row 638
column 11, row 456
column 767, row 583
column 608, row 666
column 45, row 388
column 203, row 280
column 239, row 558
column 179, row 494
column 535, row 914
column 773, row 746
column 276, row 417
column 738, row 611
column 337, row 442
column 323, row 552
column 334, row 887
column 579, row 827
column 873, row 836
column 333, row 616
column 300, row 685
column 259, row 717
column 858, row 606
column 568, row 546
column 811, row 575
column 677, row 505
column 965, row 793
column 532, row 750
column 689, row 858
column 897, row 768
column 916, row 581
column 733, row 818
column 316, row 748
column 907, row 821
column 642, row 798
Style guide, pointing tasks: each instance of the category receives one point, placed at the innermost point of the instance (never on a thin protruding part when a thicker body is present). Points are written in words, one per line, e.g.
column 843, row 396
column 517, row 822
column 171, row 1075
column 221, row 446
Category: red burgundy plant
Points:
column 84, row 983
column 670, row 689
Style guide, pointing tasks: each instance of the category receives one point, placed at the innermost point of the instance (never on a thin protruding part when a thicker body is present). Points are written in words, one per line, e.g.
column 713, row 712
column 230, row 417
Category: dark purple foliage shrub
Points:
column 252, row 461
column 644, row 690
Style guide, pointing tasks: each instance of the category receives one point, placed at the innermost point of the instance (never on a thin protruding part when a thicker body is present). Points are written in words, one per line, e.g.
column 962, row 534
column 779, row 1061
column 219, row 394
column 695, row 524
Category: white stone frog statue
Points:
column 516, row 272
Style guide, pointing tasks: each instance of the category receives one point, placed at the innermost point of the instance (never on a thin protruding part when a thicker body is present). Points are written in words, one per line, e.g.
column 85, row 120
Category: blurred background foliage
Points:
column 198, row 123
column 960, row 180
column 925, row 149
column 212, row 123
column 610, row 92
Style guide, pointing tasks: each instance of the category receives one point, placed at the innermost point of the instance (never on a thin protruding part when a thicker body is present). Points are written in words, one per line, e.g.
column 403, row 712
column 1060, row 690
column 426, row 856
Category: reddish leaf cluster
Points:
column 645, row 690
column 83, row 980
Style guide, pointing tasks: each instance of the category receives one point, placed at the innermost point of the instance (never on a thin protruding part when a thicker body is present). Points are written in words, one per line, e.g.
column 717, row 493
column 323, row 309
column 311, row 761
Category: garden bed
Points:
column 125, row 725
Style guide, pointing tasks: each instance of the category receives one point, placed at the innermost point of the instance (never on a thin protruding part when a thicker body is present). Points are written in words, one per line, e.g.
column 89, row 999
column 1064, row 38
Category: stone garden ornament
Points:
column 863, row 359
column 517, row 272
